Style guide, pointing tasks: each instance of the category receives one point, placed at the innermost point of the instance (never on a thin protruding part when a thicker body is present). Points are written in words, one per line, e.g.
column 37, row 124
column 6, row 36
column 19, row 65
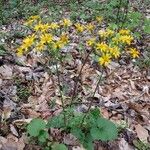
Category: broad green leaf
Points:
column 95, row 133
column 78, row 134
column 108, row 130
column 57, row 146
column 88, row 142
column 43, row 136
column 113, row 26
column 56, row 122
column 95, row 113
column 35, row 126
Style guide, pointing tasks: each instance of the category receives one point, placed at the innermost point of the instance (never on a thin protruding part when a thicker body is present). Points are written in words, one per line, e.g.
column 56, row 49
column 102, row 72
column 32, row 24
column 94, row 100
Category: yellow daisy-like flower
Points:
column 66, row 22
column 126, row 39
column 64, row 38
column 105, row 59
column 134, row 52
column 91, row 42
column 57, row 45
column 35, row 17
column 54, row 26
column 79, row 27
column 46, row 38
column 109, row 32
column 102, row 33
column 103, row 47
column 90, row 27
column 99, row 19
column 19, row 51
column 28, row 41
column 38, row 27
column 31, row 20
column 40, row 46
column 115, row 51
column 124, row 32
column 45, row 27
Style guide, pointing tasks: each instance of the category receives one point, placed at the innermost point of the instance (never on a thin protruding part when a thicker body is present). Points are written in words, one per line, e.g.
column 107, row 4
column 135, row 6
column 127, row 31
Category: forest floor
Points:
column 28, row 91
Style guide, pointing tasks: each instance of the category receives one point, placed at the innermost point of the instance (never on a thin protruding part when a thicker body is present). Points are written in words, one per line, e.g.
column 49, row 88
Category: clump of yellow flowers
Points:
column 109, row 45
column 106, row 43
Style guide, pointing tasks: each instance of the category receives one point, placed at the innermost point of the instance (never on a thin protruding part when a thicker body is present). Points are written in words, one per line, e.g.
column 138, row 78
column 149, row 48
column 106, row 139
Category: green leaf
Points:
column 57, row 146
column 43, row 136
column 78, row 134
column 88, row 142
column 35, row 126
column 56, row 122
column 113, row 26
column 108, row 130
column 95, row 133
column 147, row 26
column 95, row 113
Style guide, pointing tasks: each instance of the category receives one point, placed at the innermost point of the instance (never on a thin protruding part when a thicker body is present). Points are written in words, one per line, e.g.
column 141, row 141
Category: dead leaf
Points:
column 123, row 145
column 13, row 143
column 6, row 72
column 142, row 133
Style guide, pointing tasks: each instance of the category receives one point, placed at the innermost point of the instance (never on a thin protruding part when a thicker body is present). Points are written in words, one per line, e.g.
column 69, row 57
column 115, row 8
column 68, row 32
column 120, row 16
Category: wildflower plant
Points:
column 107, row 44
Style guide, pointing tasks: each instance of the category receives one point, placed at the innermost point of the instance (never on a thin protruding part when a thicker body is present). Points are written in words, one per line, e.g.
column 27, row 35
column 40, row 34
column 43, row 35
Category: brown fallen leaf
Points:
column 142, row 133
column 13, row 143
column 6, row 72
column 123, row 145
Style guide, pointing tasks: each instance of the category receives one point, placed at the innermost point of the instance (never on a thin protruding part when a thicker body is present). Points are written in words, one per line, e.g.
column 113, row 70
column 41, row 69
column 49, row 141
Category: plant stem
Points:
column 61, row 95
column 118, row 11
column 125, row 13
column 90, row 105
column 77, row 79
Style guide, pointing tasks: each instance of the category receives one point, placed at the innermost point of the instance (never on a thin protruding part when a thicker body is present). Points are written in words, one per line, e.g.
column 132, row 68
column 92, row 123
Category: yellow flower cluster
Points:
column 108, row 44
column 111, row 45
column 44, row 35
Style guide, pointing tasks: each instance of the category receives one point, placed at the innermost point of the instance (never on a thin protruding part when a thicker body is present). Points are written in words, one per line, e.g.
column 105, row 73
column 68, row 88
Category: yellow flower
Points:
column 102, row 33
column 28, row 41
column 31, row 20
column 109, row 32
column 99, row 19
column 91, row 41
column 40, row 46
column 19, row 51
column 105, row 59
column 38, row 27
column 90, row 27
column 102, row 47
column 57, row 45
column 54, row 26
column 79, row 27
column 124, row 31
column 64, row 38
column 46, row 38
column 116, row 40
column 44, row 27
column 127, row 39
column 134, row 52
column 106, row 33
column 115, row 52
column 66, row 22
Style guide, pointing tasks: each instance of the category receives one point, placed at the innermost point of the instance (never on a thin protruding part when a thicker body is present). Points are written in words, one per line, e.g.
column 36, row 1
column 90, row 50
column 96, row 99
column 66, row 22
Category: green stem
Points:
column 78, row 77
column 61, row 95
column 90, row 105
